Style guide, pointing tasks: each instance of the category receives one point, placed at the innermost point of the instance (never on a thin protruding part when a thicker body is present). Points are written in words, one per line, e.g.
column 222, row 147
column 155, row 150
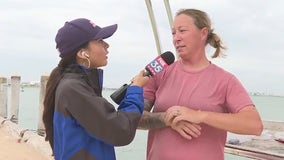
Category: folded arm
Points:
column 246, row 121
column 150, row 120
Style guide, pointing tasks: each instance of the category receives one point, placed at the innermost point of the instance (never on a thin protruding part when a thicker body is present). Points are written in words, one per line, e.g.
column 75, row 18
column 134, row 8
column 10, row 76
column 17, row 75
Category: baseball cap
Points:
column 79, row 31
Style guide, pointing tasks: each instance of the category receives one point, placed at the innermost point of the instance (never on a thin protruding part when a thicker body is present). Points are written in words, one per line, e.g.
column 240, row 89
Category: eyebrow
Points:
column 180, row 27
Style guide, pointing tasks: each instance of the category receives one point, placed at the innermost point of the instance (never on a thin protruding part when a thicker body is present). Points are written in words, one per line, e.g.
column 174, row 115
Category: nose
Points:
column 176, row 38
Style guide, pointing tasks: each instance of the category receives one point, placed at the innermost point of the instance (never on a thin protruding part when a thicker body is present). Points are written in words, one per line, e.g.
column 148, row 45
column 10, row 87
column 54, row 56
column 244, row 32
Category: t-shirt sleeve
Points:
column 236, row 97
column 150, row 90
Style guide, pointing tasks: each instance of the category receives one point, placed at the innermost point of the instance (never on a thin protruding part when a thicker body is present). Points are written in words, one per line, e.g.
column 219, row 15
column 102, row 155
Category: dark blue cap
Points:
column 79, row 31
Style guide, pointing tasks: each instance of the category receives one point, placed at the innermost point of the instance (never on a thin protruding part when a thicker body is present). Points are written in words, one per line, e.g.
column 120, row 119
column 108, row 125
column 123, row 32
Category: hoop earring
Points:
column 89, row 63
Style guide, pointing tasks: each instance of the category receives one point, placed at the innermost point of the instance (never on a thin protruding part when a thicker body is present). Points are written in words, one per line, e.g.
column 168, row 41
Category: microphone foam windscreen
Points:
column 168, row 57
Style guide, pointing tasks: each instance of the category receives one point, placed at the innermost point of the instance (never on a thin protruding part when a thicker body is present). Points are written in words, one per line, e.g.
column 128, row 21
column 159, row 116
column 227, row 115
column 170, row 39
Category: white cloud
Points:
column 251, row 30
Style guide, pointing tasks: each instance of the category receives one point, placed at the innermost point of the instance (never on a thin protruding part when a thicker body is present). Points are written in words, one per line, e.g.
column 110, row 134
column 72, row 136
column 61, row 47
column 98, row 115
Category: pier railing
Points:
column 15, row 85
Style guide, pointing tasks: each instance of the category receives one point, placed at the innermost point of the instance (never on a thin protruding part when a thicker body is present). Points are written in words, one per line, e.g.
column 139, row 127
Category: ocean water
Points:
column 269, row 107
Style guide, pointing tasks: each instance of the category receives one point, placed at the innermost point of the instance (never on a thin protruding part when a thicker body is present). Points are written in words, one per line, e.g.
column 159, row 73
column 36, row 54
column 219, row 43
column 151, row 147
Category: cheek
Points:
column 193, row 40
column 100, row 59
column 189, row 38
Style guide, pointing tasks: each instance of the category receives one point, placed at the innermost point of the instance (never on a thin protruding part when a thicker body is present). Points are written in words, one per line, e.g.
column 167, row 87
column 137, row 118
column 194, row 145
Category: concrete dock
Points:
column 19, row 144
column 264, row 147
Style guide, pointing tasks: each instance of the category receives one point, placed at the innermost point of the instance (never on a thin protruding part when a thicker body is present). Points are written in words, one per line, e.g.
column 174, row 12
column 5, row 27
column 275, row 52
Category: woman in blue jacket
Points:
column 81, row 124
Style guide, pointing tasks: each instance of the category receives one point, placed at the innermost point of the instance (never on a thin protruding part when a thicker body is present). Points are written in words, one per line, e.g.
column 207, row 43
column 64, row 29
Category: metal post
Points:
column 154, row 26
column 169, row 12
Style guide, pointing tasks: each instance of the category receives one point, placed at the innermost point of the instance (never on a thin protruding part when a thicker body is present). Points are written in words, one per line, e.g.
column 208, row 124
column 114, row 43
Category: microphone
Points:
column 154, row 67
column 159, row 63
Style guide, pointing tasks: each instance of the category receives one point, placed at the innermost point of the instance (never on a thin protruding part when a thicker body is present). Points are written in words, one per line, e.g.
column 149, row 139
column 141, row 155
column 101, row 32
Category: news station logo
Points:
column 156, row 66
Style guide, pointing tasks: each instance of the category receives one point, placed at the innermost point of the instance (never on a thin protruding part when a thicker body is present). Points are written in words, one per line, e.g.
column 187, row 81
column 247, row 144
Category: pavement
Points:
column 17, row 146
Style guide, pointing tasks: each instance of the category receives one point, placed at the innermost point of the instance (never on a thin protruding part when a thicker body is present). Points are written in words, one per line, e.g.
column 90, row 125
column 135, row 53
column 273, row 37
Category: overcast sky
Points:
column 251, row 30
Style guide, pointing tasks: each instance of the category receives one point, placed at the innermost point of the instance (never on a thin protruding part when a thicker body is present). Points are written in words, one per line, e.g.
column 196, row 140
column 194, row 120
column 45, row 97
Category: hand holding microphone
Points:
column 157, row 65
column 140, row 80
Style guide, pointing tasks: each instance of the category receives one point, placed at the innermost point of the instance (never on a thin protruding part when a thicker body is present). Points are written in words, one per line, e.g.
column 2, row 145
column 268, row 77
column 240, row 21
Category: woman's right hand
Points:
column 187, row 130
column 140, row 80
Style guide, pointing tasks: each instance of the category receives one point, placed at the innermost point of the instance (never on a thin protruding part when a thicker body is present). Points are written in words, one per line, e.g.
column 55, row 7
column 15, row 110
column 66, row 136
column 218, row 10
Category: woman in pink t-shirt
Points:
column 190, row 106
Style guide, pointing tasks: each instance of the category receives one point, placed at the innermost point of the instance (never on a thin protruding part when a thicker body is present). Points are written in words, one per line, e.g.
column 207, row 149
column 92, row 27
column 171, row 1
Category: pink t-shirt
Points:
column 211, row 89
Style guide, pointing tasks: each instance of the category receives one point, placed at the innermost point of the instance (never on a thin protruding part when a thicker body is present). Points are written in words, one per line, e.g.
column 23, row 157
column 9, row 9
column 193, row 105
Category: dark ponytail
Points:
column 49, row 99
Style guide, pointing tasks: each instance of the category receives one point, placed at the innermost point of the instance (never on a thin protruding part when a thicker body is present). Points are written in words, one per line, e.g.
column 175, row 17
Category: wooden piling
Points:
column 15, row 98
column 43, row 81
column 3, row 97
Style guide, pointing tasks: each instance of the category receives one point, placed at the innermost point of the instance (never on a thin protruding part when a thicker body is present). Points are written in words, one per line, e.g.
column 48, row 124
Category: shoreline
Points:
column 37, row 85
column 257, row 94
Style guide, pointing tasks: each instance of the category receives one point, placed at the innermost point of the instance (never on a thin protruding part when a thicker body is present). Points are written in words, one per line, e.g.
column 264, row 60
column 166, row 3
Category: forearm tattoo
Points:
column 151, row 120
